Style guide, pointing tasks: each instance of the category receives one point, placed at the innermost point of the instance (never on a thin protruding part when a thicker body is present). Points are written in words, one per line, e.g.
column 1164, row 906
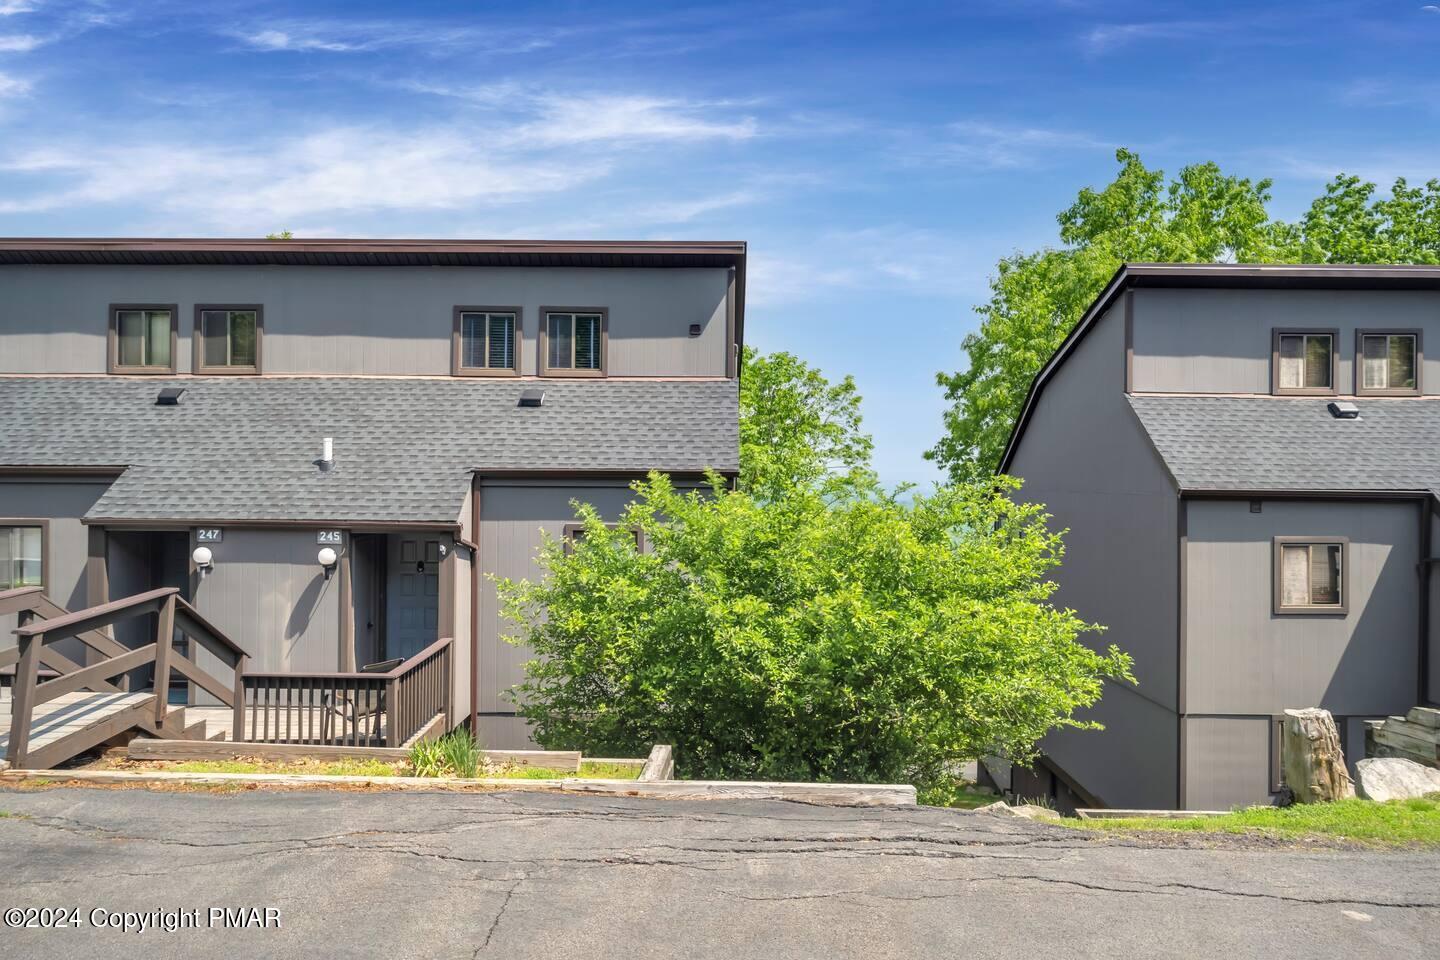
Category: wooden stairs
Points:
column 75, row 708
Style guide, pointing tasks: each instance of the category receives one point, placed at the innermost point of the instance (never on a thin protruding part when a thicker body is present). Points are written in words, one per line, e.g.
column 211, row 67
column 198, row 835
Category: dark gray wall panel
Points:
column 1219, row 341
column 1133, row 762
column 1244, row 659
column 62, row 501
column 1227, row 762
column 269, row 595
column 355, row 320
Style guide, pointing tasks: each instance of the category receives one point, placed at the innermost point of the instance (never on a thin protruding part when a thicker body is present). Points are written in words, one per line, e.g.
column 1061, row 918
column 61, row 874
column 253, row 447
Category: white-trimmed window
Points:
column 1310, row 575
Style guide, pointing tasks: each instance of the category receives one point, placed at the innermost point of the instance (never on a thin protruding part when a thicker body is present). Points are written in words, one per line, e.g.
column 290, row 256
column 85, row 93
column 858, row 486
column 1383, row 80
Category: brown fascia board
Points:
column 1255, row 276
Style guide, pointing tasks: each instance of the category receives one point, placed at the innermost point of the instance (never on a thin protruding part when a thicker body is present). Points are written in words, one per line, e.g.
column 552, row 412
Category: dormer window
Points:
column 573, row 341
column 1388, row 362
column 142, row 338
column 1303, row 362
column 227, row 338
column 486, row 342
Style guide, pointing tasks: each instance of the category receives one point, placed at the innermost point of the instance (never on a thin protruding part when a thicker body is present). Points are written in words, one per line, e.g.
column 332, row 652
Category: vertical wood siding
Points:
column 355, row 320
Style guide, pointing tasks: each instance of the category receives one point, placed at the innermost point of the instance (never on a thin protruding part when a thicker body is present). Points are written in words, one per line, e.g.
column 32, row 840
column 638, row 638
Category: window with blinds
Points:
column 229, row 340
column 488, row 341
column 1304, row 362
column 1389, row 362
column 142, row 338
column 575, row 342
column 22, row 551
column 1310, row 576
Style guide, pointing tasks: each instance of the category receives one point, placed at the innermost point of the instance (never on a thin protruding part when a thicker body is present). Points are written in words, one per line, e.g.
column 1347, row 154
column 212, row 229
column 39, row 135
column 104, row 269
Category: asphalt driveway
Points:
column 529, row 875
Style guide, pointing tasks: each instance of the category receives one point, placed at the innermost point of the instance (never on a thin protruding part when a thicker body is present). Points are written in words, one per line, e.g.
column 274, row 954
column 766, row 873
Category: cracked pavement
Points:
column 438, row 875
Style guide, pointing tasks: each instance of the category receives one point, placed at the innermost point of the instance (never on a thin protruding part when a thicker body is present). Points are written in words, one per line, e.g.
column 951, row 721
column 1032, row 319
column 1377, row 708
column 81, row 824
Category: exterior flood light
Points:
column 204, row 560
column 327, row 558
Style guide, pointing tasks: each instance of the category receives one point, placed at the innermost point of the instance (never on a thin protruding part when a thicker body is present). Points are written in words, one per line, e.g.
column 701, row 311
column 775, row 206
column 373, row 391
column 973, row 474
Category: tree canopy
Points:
column 1202, row 215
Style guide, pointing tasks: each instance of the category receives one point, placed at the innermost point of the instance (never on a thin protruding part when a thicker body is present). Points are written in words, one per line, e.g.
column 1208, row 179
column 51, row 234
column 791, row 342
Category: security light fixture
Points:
column 1343, row 410
column 328, row 558
column 694, row 329
column 204, row 560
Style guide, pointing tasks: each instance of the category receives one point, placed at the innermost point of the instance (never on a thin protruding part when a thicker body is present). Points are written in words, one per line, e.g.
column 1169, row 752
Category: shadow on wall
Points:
column 304, row 611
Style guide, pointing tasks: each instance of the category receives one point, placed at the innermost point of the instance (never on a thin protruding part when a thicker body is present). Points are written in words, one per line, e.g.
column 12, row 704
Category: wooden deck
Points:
column 81, row 716
column 296, row 724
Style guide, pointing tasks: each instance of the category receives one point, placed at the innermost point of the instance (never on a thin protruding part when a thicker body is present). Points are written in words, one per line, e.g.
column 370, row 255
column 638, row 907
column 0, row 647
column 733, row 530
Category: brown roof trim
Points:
column 1257, row 276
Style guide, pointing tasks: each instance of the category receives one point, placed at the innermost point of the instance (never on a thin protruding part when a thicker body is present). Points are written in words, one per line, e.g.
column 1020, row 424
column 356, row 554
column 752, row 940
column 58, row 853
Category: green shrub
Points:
column 801, row 638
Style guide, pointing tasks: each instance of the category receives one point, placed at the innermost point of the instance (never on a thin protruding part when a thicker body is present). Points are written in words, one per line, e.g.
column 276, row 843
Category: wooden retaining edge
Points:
column 1092, row 813
column 835, row 794
column 148, row 749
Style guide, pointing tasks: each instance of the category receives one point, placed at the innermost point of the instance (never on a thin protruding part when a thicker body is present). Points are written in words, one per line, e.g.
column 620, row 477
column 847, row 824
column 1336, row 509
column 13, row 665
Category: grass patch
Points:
column 1397, row 823
column 593, row 770
column 954, row 793
column 329, row 768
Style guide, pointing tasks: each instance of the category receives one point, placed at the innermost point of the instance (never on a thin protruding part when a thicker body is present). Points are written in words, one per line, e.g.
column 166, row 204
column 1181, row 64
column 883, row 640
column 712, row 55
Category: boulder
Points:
column 1390, row 778
column 1027, row 811
column 1314, row 766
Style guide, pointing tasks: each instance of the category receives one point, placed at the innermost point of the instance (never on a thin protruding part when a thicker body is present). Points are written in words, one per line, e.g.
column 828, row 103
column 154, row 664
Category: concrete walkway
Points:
column 520, row 875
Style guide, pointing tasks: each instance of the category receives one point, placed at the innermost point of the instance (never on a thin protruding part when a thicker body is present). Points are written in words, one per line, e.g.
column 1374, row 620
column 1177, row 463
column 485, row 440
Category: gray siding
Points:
column 1227, row 762
column 513, row 518
column 1243, row 659
column 1219, row 341
column 268, row 594
column 1433, row 688
column 357, row 320
column 1086, row 458
column 62, row 501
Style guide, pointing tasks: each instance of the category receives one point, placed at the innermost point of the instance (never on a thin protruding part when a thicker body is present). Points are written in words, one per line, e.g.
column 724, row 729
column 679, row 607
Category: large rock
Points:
column 1390, row 778
column 1027, row 811
column 1314, row 766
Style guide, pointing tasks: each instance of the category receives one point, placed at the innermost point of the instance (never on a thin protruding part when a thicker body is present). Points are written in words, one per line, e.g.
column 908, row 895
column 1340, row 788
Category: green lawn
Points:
column 590, row 770
column 956, row 793
column 1397, row 823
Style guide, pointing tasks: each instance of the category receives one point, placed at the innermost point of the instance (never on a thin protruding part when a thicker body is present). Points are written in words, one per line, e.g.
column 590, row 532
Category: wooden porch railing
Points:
column 349, row 709
column 42, row 622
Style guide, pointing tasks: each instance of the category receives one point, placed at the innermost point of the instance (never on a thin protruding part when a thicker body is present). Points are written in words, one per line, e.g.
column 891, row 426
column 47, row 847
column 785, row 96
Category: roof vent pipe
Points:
column 327, row 453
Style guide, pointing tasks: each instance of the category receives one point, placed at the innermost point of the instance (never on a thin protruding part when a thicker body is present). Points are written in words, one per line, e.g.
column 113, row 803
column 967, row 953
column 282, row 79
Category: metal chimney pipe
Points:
column 327, row 453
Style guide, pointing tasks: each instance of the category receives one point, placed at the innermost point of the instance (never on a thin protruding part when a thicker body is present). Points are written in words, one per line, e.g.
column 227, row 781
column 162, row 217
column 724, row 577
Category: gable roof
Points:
column 1293, row 444
column 238, row 449
column 1217, row 276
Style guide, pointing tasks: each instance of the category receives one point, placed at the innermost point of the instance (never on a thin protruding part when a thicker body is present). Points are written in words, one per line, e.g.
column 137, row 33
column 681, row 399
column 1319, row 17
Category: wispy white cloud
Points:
column 1430, row 8
column 340, row 36
column 1109, row 37
column 19, row 42
column 559, row 118
column 982, row 145
column 9, row 8
column 345, row 169
column 13, row 86
column 685, row 211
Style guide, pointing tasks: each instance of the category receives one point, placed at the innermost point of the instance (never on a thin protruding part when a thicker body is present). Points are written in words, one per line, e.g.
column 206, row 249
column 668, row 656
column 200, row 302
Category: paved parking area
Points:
column 438, row 875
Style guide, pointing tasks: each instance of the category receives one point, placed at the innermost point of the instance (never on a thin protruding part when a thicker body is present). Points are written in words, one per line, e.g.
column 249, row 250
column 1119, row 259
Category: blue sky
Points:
column 878, row 157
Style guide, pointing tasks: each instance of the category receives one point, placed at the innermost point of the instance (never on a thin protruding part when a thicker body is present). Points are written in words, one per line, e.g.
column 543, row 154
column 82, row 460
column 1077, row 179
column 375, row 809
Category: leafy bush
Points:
column 799, row 638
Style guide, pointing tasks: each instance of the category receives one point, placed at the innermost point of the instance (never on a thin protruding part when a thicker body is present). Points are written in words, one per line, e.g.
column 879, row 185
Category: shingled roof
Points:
column 237, row 449
column 1294, row 444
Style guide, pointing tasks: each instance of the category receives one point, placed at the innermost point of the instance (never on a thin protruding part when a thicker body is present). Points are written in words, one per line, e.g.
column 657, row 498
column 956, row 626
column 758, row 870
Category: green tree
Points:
column 797, row 429
column 804, row 638
column 1203, row 215
column 282, row 235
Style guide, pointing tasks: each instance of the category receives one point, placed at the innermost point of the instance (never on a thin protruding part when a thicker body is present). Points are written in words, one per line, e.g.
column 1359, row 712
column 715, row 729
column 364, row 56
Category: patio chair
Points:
column 362, row 711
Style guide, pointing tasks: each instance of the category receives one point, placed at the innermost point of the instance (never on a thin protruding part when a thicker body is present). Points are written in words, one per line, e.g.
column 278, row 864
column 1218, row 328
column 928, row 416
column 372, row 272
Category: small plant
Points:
column 457, row 754
column 461, row 752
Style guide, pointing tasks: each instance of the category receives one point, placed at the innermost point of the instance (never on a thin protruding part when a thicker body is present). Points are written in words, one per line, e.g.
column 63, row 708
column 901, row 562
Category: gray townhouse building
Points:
column 1247, row 459
column 313, row 457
